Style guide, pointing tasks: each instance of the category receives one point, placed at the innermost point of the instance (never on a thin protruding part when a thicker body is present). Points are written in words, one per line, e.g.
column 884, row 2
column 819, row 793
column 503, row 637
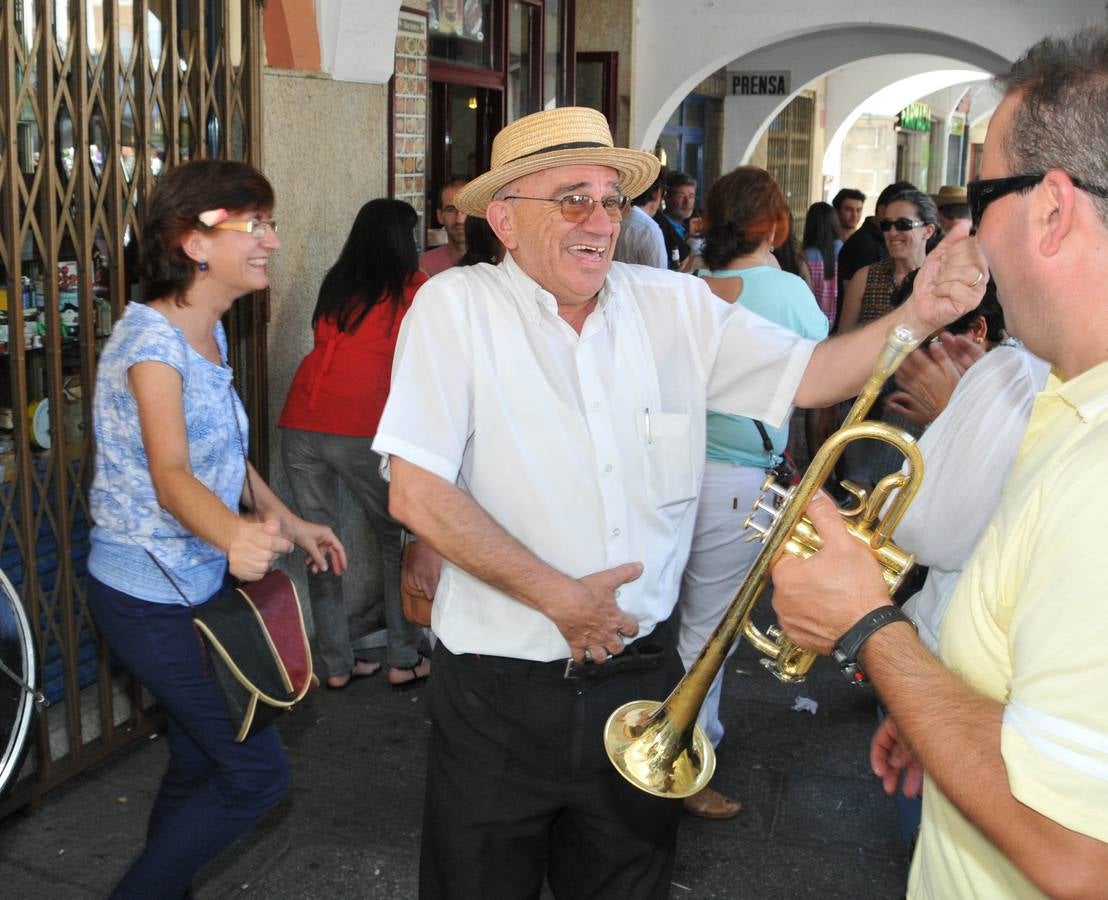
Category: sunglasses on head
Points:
column 900, row 224
column 984, row 191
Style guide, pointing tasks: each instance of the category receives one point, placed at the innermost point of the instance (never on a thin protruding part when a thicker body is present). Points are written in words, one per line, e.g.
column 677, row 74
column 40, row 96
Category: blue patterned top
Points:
column 124, row 507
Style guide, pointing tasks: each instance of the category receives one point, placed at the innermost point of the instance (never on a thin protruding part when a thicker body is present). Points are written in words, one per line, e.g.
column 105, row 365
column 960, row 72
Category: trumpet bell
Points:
column 655, row 755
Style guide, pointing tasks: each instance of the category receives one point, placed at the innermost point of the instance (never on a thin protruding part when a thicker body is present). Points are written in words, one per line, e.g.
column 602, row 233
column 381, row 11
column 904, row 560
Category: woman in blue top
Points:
column 746, row 216
column 170, row 470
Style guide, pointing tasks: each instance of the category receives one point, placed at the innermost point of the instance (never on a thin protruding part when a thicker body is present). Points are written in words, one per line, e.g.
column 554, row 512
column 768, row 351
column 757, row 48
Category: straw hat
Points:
column 566, row 136
column 948, row 194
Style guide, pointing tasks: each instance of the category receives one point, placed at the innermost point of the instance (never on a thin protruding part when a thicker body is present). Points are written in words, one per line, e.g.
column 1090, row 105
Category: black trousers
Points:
column 519, row 786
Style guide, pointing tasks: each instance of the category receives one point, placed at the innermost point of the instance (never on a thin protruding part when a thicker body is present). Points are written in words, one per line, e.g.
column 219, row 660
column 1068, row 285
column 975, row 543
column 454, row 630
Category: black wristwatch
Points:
column 850, row 644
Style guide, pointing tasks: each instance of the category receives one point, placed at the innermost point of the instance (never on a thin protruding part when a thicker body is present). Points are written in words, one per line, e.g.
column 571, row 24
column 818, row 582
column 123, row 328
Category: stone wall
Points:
column 869, row 157
column 326, row 153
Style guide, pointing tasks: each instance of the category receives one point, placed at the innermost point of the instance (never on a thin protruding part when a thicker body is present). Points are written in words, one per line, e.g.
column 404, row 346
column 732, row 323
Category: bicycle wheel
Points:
column 17, row 701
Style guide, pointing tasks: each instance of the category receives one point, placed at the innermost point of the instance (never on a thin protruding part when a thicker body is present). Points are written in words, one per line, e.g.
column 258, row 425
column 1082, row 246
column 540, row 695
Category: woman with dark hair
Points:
column 745, row 216
column 330, row 418
column 911, row 229
column 482, row 245
column 821, row 249
column 170, row 476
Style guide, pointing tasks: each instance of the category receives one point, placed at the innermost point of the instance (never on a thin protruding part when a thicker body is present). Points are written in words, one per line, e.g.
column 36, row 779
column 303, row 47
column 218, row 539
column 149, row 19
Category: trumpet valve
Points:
column 772, row 486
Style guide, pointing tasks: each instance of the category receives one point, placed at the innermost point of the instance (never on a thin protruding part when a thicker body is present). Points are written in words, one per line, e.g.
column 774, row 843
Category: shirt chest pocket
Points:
column 670, row 462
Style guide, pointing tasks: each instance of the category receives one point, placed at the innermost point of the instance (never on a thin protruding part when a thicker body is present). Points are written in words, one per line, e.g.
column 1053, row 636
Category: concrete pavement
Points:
column 814, row 823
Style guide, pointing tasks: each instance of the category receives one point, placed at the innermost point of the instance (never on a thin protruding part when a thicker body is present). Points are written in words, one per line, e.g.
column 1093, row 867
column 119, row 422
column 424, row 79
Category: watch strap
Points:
column 850, row 644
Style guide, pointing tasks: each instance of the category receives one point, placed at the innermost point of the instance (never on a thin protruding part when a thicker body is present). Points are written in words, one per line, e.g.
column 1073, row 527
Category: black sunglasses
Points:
column 900, row 224
column 984, row 191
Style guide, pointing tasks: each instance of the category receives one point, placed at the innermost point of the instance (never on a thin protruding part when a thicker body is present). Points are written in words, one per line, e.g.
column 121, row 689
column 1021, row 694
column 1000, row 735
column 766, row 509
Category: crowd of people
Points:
column 568, row 409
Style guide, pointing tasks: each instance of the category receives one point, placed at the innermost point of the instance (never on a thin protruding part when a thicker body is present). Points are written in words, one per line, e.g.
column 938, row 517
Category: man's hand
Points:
column 591, row 622
column 927, row 378
column 818, row 599
column 950, row 282
column 891, row 757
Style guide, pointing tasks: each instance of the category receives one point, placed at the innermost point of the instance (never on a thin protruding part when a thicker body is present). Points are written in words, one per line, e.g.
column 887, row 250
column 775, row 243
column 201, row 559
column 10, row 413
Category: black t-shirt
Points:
column 673, row 240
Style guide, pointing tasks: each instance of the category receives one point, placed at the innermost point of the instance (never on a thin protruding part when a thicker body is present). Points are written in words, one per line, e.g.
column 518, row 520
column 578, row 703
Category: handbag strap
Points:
column 171, row 579
column 242, row 447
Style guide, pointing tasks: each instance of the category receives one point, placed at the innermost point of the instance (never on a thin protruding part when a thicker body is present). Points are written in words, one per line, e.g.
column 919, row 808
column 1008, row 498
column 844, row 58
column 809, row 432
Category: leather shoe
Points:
column 709, row 804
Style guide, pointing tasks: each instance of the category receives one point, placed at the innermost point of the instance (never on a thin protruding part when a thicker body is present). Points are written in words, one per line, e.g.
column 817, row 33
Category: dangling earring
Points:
column 202, row 266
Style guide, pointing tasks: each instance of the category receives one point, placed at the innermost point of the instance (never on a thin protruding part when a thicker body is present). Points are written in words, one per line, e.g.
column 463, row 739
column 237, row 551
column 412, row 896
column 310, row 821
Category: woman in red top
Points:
column 331, row 415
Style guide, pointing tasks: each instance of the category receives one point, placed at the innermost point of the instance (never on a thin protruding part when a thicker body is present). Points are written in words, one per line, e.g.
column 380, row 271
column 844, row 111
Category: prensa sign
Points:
column 758, row 84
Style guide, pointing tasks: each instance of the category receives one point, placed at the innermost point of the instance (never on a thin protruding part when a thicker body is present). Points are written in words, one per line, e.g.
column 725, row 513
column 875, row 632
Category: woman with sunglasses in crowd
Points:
column 331, row 415
column 911, row 228
column 170, row 476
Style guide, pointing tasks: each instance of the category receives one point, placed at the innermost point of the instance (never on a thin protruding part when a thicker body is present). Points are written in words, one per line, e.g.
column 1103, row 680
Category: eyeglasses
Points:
column 256, row 228
column 984, row 191
column 577, row 208
column 900, row 224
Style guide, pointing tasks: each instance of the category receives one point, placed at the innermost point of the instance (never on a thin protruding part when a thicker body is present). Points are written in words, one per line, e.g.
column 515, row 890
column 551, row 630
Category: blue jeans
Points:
column 214, row 789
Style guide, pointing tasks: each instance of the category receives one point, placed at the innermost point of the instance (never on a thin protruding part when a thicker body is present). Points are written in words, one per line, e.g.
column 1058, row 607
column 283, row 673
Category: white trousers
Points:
column 718, row 562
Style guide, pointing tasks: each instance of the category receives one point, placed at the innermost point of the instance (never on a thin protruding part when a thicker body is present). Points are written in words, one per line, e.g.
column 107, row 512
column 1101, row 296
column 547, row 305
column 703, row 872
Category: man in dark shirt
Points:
column 680, row 199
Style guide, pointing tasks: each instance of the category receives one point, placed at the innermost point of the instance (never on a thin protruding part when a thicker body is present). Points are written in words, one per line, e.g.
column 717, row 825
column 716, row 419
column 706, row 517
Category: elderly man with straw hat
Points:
column 545, row 433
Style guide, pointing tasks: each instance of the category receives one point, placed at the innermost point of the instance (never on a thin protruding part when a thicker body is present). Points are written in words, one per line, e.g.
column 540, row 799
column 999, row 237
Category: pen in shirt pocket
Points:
column 649, row 433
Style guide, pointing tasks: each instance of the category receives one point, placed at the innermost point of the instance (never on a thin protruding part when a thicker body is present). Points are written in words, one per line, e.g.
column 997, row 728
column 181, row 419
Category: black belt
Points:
column 640, row 655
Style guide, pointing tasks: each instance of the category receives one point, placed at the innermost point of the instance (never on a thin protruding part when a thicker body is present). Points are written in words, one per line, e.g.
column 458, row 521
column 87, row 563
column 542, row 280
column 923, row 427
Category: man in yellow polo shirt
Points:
column 1011, row 727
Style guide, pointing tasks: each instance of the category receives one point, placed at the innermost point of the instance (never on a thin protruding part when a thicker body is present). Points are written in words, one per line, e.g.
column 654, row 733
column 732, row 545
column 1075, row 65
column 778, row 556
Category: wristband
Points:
column 850, row 644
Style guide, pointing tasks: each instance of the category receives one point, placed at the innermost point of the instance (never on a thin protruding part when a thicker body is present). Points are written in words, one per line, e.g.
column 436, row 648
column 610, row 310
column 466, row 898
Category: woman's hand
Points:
column 254, row 547
column 320, row 543
column 928, row 376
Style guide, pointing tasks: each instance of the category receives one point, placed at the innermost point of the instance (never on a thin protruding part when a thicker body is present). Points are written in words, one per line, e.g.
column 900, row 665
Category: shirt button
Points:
column 608, row 468
column 616, row 532
column 596, row 404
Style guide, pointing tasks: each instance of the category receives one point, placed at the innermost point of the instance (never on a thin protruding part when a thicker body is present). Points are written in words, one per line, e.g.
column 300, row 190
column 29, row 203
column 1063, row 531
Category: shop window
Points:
column 461, row 32
column 524, row 94
column 789, row 154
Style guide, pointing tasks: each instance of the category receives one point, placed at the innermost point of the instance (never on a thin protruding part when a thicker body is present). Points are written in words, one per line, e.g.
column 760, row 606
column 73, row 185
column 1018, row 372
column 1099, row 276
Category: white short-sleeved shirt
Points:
column 588, row 449
column 640, row 241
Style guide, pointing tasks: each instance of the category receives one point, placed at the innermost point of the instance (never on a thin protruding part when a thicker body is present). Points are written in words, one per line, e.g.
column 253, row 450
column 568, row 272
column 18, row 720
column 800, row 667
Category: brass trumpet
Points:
column 658, row 747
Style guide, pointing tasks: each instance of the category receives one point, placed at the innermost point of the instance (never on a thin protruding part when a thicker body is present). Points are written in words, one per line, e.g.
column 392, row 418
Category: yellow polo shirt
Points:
column 1028, row 626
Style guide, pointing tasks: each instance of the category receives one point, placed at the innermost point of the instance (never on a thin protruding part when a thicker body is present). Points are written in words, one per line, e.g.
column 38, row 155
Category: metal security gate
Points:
column 789, row 154
column 97, row 99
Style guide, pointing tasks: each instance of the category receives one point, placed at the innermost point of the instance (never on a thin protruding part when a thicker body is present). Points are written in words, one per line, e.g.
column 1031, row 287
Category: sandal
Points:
column 419, row 673
column 338, row 682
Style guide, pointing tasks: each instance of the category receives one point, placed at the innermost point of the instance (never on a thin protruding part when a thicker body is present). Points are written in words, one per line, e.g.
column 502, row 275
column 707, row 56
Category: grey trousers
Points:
column 315, row 462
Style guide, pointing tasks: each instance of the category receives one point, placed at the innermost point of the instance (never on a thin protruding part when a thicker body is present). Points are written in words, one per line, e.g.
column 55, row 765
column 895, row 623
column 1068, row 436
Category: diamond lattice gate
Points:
column 97, row 99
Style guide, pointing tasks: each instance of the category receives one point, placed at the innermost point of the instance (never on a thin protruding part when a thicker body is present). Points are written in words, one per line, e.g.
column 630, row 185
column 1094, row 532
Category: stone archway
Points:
column 675, row 46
